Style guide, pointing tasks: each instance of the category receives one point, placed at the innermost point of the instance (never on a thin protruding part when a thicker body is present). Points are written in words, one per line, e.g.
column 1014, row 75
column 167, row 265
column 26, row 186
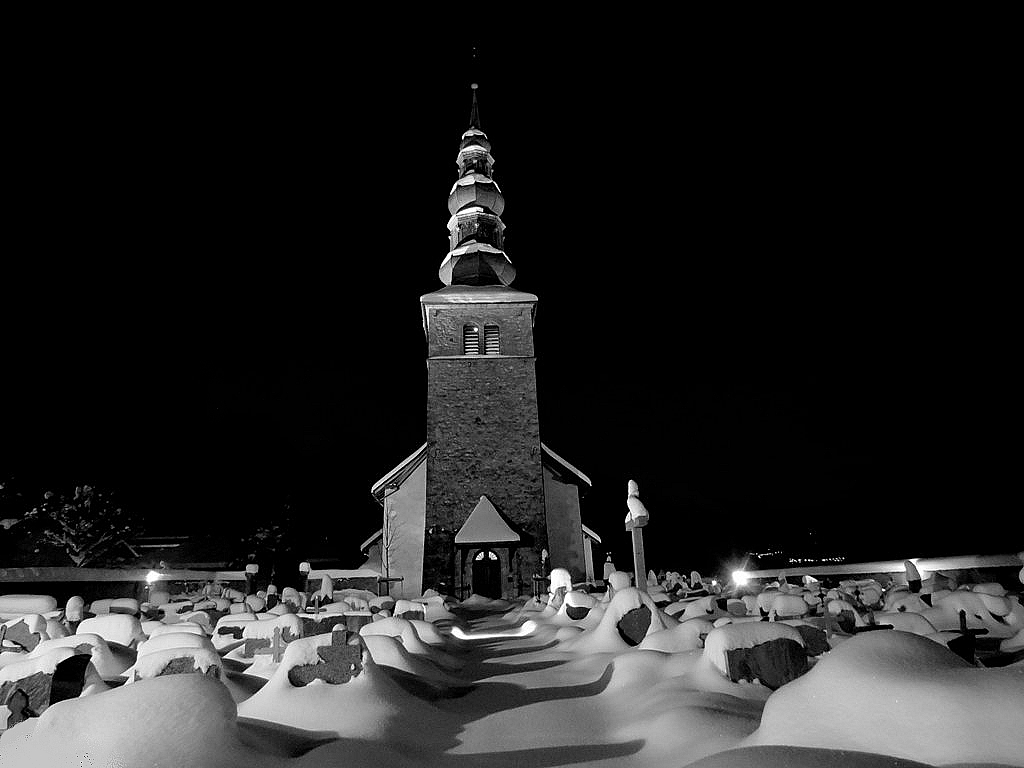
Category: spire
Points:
column 474, row 116
column 476, row 231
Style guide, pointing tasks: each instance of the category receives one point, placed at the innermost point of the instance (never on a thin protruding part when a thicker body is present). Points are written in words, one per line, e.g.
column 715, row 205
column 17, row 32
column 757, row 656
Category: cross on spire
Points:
column 474, row 116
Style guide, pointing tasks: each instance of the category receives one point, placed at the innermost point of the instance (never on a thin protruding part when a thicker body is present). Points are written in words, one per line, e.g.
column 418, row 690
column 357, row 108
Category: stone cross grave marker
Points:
column 275, row 649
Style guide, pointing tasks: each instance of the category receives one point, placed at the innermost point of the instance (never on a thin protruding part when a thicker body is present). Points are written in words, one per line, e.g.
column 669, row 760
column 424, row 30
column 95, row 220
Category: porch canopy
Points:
column 485, row 526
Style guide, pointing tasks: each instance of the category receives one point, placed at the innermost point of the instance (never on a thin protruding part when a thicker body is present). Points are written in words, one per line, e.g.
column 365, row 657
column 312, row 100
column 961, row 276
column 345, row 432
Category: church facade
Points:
column 483, row 505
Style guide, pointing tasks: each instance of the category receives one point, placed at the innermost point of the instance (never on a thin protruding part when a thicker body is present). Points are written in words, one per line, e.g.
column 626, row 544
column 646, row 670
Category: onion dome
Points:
column 476, row 232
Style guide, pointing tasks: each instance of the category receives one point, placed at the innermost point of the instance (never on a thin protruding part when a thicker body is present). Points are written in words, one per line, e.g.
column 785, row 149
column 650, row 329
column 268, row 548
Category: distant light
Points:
column 740, row 578
column 152, row 576
column 714, row 582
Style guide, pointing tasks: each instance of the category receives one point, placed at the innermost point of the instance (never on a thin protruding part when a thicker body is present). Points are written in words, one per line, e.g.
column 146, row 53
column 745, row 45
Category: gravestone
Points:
column 413, row 613
column 577, row 612
column 40, row 689
column 69, row 676
column 815, row 640
column 964, row 644
column 775, row 662
column 19, row 633
column 275, row 647
column 341, row 661
column 235, row 631
column 327, row 623
column 258, row 645
column 634, row 624
column 18, row 705
column 355, row 620
column 185, row 665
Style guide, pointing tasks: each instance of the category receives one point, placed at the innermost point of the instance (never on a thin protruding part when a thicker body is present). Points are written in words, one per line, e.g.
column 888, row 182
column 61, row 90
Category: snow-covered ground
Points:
column 613, row 679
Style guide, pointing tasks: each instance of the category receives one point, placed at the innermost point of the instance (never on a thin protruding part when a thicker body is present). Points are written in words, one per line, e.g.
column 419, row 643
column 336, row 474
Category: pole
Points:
column 639, row 567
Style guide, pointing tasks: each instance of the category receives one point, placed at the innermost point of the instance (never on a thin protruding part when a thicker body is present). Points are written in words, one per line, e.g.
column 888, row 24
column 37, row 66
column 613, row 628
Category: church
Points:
column 483, row 506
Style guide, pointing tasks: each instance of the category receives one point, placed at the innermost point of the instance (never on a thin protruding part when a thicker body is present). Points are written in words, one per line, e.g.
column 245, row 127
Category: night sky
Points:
column 769, row 285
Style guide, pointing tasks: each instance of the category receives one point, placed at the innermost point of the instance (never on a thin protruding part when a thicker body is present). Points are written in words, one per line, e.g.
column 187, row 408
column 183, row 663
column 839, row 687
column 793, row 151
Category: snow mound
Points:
column 105, row 662
column 702, row 608
column 685, row 637
column 407, row 632
column 12, row 606
column 427, row 632
column 78, row 732
column 35, row 623
column 159, row 628
column 174, row 640
column 1001, row 616
column 115, row 628
column 264, row 629
column 899, row 694
column 479, row 602
column 151, row 664
column 389, row 651
column 802, row 757
column 114, row 605
column 606, row 635
column 45, row 663
column 368, row 706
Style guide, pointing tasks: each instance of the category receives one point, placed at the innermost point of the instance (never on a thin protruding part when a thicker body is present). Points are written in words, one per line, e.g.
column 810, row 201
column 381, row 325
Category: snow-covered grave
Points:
column 795, row 672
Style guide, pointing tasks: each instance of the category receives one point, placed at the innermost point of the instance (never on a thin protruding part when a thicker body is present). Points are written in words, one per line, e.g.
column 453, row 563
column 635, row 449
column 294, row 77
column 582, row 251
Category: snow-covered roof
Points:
column 485, row 526
column 408, row 463
column 471, row 247
column 474, row 178
column 366, row 544
column 588, row 532
column 478, row 294
column 566, row 464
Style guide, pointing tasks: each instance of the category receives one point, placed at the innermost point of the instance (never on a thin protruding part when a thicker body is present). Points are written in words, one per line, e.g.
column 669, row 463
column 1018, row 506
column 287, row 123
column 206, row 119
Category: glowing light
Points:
column 740, row 578
column 527, row 629
column 152, row 576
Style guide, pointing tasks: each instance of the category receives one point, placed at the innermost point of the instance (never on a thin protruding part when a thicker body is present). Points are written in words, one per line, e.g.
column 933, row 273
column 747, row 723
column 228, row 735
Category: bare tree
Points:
column 389, row 536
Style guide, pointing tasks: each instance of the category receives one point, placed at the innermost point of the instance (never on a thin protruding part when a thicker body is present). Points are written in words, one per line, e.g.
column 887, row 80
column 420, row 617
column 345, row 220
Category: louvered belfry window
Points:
column 491, row 344
column 470, row 340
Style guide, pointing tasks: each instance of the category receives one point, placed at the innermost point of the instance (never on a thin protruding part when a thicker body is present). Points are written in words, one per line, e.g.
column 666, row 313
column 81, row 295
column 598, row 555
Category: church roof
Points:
column 398, row 475
column 379, row 534
column 485, row 526
column 563, row 464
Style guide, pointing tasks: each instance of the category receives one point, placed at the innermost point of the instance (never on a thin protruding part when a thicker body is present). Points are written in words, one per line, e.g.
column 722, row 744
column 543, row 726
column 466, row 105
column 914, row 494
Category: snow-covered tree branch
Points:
column 86, row 525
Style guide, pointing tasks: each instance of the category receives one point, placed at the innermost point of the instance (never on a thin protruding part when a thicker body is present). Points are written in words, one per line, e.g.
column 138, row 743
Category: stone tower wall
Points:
column 483, row 434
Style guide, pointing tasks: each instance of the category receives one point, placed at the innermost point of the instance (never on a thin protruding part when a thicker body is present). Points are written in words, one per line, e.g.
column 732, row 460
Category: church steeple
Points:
column 476, row 253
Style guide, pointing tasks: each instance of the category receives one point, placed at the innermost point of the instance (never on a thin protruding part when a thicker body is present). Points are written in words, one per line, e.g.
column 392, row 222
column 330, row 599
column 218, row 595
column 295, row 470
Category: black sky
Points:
column 768, row 277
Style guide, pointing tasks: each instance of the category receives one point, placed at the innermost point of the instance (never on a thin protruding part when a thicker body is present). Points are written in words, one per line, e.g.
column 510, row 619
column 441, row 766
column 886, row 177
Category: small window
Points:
column 470, row 340
column 491, row 344
column 485, row 553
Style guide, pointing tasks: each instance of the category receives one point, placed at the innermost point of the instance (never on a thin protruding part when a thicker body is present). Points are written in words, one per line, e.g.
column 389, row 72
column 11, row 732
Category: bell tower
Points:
column 483, row 427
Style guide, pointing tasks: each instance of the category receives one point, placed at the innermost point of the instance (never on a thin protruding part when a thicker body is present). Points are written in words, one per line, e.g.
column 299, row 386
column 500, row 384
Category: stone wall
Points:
column 483, row 435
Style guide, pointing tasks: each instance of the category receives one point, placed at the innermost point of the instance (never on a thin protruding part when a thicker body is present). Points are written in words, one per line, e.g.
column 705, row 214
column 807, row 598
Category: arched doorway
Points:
column 487, row 574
